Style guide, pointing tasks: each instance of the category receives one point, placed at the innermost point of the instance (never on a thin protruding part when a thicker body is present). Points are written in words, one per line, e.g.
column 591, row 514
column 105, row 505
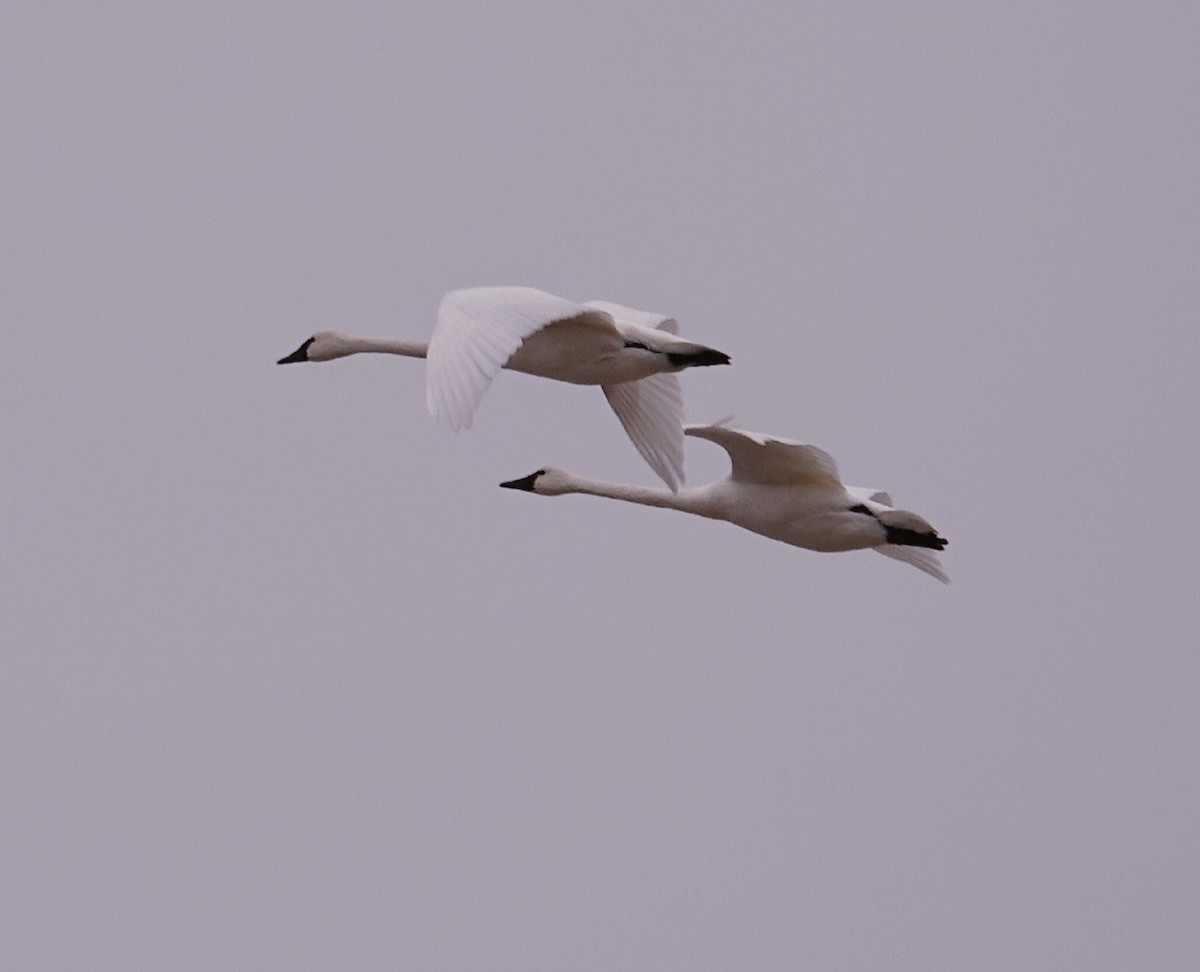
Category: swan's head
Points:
column 322, row 346
column 548, row 482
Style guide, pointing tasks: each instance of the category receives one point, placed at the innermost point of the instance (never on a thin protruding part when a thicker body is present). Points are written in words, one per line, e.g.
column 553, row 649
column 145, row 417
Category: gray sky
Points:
column 287, row 682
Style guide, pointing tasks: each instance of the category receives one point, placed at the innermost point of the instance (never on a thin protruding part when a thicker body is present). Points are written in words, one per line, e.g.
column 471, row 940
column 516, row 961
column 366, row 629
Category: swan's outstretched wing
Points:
column 919, row 557
column 868, row 495
column 651, row 411
column 770, row 461
column 648, row 320
column 477, row 331
column 657, row 332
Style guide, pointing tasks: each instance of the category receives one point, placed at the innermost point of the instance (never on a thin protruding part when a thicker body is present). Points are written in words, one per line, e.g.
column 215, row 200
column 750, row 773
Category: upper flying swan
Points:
column 784, row 490
column 632, row 354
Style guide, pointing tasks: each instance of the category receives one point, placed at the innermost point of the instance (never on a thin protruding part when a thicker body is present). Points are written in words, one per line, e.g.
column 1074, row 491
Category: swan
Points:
column 632, row 354
column 781, row 489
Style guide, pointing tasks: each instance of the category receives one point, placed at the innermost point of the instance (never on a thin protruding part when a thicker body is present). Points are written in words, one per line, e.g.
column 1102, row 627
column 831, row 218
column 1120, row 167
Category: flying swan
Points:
column 784, row 490
column 632, row 354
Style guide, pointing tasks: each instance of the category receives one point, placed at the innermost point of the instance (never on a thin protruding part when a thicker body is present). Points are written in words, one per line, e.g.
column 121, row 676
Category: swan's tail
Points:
column 699, row 358
column 920, row 558
column 905, row 529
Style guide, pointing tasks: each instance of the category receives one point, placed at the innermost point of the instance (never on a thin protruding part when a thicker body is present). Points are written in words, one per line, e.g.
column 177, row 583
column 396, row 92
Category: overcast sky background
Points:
column 287, row 682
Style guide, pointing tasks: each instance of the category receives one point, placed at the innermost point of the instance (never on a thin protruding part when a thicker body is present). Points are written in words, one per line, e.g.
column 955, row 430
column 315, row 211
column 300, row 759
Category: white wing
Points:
column 655, row 331
column 868, row 495
column 651, row 411
column 477, row 331
column 764, row 459
column 919, row 557
column 638, row 318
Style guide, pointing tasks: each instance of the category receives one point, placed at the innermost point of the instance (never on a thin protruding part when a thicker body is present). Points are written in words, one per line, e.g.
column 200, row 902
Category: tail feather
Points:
column 902, row 537
column 906, row 529
column 697, row 359
column 923, row 560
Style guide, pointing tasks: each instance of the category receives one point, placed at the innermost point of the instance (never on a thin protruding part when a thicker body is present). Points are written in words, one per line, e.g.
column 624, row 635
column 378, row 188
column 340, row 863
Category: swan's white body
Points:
column 784, row 490
column 632, row 354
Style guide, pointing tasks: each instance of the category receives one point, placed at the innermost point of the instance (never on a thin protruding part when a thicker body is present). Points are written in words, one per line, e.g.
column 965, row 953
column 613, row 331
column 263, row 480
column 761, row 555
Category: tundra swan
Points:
column 632, row 354
column 781, row 489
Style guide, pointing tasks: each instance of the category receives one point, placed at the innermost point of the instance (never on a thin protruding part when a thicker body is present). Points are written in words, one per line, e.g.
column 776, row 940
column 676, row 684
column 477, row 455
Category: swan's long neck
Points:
column 686, row 500
column 410, row 349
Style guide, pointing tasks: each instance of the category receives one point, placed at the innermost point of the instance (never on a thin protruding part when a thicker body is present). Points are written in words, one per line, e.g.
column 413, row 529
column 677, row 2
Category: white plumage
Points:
column 632, row 354
column 784, row 490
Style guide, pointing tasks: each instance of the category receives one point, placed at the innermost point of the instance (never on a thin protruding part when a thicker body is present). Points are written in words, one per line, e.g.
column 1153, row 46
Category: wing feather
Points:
column 638, row 318
column 651, row 412
column 868, row 495
column 766, row 460
column 920, row 557
column 477, row 331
